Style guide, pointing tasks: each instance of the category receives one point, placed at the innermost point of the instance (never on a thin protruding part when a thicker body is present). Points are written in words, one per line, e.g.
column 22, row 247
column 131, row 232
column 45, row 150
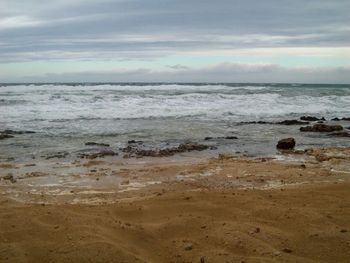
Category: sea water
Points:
column 65, row 116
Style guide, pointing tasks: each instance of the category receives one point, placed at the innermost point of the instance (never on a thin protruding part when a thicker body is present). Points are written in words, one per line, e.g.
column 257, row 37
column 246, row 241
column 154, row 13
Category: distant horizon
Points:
column 169, row 83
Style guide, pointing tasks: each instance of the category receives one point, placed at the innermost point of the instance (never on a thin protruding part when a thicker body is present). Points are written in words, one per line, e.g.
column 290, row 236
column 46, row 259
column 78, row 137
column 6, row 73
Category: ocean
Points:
column 66, row 116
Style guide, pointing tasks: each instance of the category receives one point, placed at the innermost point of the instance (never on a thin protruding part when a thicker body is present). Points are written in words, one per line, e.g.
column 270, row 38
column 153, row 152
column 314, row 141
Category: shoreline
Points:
column 223, row 209
column 44, row 181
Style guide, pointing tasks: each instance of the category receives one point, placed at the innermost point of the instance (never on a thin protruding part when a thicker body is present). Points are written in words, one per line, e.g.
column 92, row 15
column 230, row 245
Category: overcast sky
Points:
column 175, row 40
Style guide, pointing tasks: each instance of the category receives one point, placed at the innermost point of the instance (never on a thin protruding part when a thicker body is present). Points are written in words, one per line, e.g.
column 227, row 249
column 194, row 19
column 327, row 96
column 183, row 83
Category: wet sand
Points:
column 225, row 209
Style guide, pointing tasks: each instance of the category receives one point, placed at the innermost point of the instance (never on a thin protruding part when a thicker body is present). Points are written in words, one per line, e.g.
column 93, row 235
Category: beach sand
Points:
column 225, row 209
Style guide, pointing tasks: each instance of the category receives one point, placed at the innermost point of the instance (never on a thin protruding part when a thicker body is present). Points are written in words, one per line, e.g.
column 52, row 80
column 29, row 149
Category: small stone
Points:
column 343, row 231
column 277, row 253
column 188, row 247
column 125, row 182
column 287, row 250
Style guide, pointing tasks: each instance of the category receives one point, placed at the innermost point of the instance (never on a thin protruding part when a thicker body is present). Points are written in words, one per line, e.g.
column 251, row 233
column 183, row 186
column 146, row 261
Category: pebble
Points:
column 188, row 247
column 287, row 250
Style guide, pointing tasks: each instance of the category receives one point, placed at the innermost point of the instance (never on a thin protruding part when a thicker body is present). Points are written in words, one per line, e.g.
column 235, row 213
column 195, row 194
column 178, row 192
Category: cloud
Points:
column 135, row 29
column 222, row 72
column 180, row 34
column 177, row 67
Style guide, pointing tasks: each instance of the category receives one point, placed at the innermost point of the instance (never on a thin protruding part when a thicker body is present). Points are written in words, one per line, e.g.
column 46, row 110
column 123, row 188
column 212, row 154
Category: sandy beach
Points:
column 225, row 209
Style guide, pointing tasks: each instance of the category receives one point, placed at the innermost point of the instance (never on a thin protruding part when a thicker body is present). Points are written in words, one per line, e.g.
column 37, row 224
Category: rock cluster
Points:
column 321, row 128
column 131, row 151
column 96, row 144
column 99, row 154
column 6, row 134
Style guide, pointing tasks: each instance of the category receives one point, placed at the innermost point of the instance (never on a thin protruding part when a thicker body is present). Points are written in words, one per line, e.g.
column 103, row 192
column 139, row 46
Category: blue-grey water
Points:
column 65, row 116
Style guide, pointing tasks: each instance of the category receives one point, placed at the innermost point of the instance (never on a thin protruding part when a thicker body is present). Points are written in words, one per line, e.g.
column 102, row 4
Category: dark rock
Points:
column 9, row 177
column 5, row 136
column 286, row 144
column 311, row 118
column 208, row 138
column 100, row 154
column 285, row 122
column 339, row 134
column 133, row 142
column 255, row 122
column 292, row 122
column 321, row 128
column 96, row 144
column 16, row 132
column 287, row 250
column 57, row 155
column 231, row 138
column 336, row 119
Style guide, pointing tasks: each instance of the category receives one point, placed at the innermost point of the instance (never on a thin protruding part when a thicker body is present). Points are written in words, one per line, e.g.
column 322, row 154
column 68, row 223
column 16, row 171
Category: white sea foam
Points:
column 50, row 102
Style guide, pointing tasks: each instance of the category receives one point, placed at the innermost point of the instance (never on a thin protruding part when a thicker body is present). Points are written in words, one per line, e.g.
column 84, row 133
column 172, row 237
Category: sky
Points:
column 294, row 41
